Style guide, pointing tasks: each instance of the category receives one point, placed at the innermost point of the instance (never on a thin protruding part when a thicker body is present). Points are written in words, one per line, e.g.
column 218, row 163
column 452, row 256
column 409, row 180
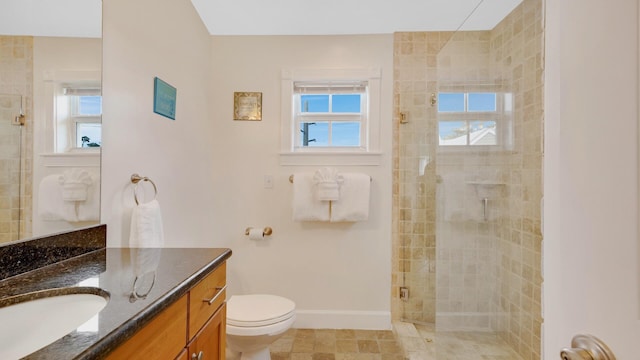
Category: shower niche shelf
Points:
column 488, row 189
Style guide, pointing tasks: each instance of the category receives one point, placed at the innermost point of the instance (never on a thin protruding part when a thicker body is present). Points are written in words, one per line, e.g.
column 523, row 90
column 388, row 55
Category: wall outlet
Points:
column 404, row 293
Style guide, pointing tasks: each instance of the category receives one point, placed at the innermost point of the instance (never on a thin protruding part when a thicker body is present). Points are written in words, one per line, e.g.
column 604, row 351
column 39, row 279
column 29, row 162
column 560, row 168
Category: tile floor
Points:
column 328, row 344
column 406, row 342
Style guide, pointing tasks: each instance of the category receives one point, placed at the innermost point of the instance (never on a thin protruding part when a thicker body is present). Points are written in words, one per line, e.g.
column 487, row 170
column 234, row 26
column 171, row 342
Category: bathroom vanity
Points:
column 175, row 310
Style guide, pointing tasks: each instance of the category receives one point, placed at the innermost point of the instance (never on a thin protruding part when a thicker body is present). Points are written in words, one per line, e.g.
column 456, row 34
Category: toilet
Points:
column 254, row 322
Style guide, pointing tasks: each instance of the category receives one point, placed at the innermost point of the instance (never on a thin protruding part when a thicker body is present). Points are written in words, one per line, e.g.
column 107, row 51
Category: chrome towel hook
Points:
column 135, row 179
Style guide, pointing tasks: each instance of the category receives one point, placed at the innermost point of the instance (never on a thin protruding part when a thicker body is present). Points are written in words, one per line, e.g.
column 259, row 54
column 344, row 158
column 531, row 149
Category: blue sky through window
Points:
column 89, row 105
column 343, row 133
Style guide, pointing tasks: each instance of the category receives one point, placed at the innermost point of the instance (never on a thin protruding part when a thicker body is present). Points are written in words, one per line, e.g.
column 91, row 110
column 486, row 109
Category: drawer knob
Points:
column 198, row 356
column 219, row 291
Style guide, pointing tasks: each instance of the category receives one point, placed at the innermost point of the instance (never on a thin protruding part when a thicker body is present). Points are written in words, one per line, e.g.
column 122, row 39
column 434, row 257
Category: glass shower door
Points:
column 11, row 179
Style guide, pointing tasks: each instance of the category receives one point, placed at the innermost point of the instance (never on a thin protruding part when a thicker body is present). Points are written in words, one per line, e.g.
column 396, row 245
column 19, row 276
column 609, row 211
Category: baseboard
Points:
column 332, row 319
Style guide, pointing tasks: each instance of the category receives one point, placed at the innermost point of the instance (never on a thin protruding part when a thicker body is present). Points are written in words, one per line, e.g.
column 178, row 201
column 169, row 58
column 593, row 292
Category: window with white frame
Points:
column 330, row 116
column 79, row 117
column 475, row 119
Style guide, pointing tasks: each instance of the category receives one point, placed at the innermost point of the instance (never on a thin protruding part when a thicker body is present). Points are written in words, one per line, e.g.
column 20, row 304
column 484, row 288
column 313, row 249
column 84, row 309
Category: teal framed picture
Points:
column 164, row 99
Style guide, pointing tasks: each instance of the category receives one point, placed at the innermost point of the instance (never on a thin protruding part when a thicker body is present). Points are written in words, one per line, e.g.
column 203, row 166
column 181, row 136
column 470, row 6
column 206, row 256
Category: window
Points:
column 474, row 119
column 79, row 117
column 330, row 117
column 330, row 114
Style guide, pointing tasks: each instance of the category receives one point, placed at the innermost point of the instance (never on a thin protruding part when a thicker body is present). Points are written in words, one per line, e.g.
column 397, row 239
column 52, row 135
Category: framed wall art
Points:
column 247, row 106
column 164, row 99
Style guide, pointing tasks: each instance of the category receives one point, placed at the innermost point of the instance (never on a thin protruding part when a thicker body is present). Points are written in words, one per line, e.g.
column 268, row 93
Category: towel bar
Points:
column 291, row 178
column 135, row 179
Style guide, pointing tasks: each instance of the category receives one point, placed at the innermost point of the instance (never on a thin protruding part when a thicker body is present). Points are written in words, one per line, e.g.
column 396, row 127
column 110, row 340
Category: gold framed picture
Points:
column 247, row 106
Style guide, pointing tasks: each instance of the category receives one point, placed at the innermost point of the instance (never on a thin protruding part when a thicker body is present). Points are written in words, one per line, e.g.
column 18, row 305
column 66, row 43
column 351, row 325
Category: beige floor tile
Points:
column 347, row 346
column 368, row 346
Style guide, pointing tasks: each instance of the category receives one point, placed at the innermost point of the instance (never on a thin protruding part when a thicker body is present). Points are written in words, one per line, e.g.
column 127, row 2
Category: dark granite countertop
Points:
column 114, row 269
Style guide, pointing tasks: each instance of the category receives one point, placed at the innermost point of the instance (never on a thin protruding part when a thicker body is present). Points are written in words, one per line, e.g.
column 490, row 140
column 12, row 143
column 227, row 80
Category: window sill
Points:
column 72, row 159
column 331, row 158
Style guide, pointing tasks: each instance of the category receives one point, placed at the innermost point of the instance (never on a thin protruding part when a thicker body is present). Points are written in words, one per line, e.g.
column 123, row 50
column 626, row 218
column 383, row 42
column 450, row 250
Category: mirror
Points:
column 50, row 116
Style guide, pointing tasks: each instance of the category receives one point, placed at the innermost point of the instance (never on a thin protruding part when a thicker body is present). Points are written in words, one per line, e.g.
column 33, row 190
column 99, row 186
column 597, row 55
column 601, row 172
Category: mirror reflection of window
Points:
column 79, row 118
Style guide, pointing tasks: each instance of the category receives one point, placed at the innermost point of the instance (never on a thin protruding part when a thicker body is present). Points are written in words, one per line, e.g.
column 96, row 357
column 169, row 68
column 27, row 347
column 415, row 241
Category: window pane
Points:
column 345, row 134
column 88, row 135
column 314, row 133
column 89, row 105
column 450, row 102
column 452, row 133
column 483, row 133
column 482, row 102
column 346, row 103
column 314, row 103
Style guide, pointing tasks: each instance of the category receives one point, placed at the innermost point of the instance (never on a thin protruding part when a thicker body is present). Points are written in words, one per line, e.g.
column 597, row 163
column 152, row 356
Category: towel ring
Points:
column 135, row 178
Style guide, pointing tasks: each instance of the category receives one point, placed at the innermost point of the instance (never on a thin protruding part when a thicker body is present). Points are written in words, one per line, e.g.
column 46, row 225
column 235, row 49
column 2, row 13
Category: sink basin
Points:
column 34, row 320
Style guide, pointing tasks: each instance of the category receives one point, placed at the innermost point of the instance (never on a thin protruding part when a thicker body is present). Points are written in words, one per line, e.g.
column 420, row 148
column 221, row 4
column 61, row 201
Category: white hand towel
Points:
column 327, row 181
column 354, row 199
column 146, row 226
column 305, row 205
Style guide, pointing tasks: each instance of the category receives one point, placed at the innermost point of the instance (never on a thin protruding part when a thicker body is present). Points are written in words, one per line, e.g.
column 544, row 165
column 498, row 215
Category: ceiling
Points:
column 277, row 17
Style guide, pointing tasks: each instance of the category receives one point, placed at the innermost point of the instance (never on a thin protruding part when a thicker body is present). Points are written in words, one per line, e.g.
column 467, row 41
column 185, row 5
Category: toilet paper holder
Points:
column 265, row 231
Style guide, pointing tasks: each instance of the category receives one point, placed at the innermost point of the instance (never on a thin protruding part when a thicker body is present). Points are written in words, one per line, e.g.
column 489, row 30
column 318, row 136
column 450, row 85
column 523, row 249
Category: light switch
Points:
column 268, row 182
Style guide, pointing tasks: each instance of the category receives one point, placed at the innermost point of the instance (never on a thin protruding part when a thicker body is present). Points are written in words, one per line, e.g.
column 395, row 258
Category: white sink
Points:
column 34, row 320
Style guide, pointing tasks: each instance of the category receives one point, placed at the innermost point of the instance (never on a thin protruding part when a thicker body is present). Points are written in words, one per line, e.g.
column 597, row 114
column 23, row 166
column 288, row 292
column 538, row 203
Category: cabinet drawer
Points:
column 163, row 338
column 206, row 297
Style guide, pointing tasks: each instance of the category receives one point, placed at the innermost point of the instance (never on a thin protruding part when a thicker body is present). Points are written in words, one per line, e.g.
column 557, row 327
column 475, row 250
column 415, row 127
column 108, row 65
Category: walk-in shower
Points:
column 468, row 185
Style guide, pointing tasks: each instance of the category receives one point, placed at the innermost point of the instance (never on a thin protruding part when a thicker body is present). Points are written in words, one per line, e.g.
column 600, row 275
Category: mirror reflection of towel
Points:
column 146, row 226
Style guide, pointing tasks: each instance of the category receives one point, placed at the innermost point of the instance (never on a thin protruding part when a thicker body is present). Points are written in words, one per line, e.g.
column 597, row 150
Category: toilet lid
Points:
column 258, row 310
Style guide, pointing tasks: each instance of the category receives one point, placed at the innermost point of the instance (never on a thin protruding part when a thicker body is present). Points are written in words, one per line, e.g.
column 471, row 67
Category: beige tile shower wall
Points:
column 516, row 54
column 16, row 78
column 414, row 175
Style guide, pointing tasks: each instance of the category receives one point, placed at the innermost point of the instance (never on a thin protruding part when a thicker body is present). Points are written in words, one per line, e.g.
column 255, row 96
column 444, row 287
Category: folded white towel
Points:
column 75, row 183
column 146, row 226
column 354, row 199
column 89, row 210
column 50, row 199
column 305, row 205
column 327, row 181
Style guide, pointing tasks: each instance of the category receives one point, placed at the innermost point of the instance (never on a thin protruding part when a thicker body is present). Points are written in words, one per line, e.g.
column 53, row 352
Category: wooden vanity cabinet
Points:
column 207, row 317
column 192, row 328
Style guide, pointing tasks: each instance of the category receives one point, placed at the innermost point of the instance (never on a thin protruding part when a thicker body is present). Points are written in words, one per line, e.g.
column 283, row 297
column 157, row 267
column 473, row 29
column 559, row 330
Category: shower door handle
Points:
column 587, row 347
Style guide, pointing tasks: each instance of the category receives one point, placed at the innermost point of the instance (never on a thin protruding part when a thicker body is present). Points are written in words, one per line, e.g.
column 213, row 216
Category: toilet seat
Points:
column 246, row 311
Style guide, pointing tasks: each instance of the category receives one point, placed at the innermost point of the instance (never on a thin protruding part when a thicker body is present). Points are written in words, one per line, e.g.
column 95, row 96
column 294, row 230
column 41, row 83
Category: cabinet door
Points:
column 209, row 343
column 162, row 338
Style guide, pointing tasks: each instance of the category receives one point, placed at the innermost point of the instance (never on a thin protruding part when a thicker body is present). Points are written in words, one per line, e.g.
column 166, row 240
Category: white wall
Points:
column 57, row 59
column 143, row 39
column 339, row 275
column 591, row 182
